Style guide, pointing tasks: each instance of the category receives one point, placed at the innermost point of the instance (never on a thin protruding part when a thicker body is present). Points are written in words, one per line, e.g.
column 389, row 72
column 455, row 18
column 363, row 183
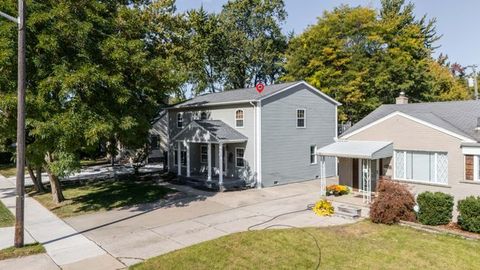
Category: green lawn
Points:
column 6, row 217
column 102, row 196
column 363, row 245
column 27, row 250
column 8, row 170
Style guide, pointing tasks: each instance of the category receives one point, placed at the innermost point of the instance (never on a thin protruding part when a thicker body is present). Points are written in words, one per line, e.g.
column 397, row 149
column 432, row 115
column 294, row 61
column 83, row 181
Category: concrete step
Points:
column 348, row 211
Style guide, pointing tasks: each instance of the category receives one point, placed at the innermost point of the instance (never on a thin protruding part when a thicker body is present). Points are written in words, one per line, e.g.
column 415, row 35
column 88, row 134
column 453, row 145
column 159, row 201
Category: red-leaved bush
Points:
column 393, row 203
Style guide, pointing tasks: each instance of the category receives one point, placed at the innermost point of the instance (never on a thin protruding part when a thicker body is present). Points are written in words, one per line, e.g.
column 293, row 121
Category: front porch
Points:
column 360, row 164
column 210, row 154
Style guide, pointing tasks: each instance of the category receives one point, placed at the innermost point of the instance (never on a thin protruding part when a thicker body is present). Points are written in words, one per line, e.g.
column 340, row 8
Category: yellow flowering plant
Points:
column 337, row 190
column 323, row 208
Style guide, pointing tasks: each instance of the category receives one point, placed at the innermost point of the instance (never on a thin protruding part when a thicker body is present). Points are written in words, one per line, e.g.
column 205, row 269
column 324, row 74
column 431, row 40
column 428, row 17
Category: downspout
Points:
column 255, row 136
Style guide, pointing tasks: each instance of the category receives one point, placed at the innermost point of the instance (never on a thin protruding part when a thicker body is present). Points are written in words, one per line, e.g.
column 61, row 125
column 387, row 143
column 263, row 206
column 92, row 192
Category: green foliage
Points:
column 97, row 70
column 435, row 208
column 364, row 58
column 469, row 214
column 237, row 48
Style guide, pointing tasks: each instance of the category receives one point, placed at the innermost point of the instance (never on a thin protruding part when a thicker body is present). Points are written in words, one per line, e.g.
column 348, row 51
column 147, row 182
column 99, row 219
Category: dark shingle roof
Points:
column 246, row 94
column 221, row 130
column 456, row 116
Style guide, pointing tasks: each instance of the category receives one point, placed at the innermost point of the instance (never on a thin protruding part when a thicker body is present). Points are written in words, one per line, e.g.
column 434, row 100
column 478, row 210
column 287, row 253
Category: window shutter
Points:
column 469, row 167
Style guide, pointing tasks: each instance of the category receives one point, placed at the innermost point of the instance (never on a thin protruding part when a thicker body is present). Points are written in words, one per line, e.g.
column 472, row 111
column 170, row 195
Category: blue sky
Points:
column 456, row 20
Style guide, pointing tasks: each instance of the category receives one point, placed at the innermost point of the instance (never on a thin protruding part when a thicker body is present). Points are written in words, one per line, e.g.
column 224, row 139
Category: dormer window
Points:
column 180, row 120
column 239, row 118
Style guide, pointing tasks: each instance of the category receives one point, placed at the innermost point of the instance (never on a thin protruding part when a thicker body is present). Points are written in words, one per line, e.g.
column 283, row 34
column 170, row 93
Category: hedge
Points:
column 469, row 214
column 434, row 208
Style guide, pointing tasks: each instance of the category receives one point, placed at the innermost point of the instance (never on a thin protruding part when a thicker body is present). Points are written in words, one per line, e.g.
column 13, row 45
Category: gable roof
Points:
column 457, row 117
column 221, row 130
column 243, row 95
column 209, row 131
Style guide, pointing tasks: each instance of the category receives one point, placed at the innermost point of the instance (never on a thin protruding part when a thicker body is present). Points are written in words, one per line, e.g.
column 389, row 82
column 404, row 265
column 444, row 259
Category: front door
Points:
column 355, row 177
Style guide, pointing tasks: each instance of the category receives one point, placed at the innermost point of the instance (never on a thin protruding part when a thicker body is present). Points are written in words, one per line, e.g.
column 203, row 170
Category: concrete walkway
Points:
column 67, row 248
column 138, row 233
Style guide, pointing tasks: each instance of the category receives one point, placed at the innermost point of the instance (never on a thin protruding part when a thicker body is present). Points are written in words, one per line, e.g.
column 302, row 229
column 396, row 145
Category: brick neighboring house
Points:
column 430, row 146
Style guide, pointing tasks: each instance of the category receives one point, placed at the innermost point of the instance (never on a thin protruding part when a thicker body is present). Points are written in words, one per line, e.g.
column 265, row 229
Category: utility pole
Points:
column 475, row 80
column 20, row 181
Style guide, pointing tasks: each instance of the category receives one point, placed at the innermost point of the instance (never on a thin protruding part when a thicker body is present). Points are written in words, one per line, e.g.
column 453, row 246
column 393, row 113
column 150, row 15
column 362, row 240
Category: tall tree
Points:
column 364, row 58
column 96, row 71
column 255, row 41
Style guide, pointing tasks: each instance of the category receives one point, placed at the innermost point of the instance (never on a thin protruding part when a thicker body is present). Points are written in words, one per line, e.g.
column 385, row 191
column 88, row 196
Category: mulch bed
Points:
column 451, row 228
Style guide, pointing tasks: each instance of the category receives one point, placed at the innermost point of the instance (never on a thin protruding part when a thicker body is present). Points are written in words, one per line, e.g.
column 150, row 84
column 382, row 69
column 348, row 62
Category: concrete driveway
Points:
column 134, row 234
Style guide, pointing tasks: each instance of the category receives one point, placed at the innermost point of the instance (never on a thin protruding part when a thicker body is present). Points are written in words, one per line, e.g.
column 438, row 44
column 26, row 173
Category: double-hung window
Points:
column 313, row 154
column 429, row 167
column 239, row 157
column 203, row 154
column 155, row 142
column 180, row 120
column 239, row 118
column 301, row 118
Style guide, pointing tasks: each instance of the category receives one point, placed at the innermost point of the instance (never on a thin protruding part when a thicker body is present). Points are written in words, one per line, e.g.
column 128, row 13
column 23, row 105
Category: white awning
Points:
column 358, row 149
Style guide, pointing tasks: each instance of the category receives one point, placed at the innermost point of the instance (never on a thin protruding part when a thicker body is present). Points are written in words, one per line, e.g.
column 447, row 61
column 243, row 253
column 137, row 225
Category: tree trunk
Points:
column 57, row 194
column 37, row 180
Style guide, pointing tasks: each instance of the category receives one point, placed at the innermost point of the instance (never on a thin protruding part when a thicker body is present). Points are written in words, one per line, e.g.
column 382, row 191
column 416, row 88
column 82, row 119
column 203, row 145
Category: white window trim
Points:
column 183, row 120
column 415, row 181
column 314, row 154
column 201, row 147
column 304, row 117
column 243, row 118
column 476, row 164
column 237, row 157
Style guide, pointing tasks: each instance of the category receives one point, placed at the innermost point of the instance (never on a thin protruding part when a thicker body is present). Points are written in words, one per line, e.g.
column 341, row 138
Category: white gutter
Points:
column 258, row 140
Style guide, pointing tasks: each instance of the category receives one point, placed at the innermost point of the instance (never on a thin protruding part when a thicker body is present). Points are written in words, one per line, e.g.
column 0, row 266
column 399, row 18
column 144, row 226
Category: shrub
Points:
column 393, row 203
column 469, row 214
column 337, row 190
column 323, row 208
column 434, row 208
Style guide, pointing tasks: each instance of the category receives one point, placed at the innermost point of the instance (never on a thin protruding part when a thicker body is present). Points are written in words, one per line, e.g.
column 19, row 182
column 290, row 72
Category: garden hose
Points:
column 308, row 208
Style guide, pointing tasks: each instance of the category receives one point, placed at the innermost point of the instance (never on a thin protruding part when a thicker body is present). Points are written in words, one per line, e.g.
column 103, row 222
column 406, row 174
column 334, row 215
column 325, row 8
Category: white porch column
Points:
column 209, row 162
column 323, row 180
column 220, row 166
column 179, row 158
column 188, row 159
column 367, row 180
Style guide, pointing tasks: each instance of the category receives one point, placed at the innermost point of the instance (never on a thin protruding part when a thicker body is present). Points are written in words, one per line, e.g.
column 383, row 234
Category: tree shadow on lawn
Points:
column 108, row 195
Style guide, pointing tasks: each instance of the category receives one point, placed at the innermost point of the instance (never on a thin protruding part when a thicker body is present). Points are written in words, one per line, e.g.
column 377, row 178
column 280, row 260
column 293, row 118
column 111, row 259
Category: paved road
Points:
column 138, row 233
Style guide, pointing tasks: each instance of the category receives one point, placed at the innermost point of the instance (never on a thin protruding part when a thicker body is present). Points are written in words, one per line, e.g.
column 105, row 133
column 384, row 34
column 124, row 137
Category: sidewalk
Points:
column 67, row 248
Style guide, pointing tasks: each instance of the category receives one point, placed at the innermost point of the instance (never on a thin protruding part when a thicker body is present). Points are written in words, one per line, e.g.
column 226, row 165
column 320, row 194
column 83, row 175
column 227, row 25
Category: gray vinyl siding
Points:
column 160, row 128
column 286, row 148
column 226, row 114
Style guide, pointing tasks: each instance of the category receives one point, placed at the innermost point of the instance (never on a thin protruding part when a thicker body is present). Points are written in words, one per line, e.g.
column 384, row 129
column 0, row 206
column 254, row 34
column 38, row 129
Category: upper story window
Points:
column 301, row 118
column 180, row 120
column 203, row 116
column 239, row 118
column 430, row 167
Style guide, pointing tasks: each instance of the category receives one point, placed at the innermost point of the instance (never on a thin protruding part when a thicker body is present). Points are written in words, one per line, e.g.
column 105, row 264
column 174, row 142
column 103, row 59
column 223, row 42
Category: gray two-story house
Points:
column 262, row 139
